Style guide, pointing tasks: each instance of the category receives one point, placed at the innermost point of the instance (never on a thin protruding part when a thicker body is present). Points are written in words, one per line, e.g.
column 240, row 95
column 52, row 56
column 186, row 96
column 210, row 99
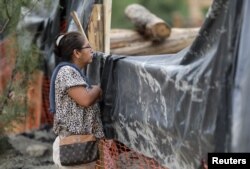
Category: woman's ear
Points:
column 76, row 53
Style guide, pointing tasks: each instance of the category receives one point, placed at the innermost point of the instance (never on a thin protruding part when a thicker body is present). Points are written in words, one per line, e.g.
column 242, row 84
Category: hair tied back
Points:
column 59, row 39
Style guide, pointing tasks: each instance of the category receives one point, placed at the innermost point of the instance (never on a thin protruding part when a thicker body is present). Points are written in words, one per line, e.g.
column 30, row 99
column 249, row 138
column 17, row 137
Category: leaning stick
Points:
column 78, row 24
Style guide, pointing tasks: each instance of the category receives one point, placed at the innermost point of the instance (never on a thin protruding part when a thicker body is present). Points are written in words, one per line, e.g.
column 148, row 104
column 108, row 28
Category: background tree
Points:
column 18, row 63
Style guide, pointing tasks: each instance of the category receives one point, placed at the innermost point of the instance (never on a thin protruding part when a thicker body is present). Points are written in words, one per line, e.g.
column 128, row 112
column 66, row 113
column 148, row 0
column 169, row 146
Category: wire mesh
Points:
column 115, row 155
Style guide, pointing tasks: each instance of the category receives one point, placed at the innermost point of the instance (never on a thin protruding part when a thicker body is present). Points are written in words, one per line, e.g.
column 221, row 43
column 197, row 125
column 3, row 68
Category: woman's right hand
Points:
column 85, row 96
column 99, row 90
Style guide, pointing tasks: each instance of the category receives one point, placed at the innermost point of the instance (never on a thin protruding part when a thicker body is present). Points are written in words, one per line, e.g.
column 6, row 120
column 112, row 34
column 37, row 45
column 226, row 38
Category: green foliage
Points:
column 28, row 61
column 10, row 13
column 119, row 20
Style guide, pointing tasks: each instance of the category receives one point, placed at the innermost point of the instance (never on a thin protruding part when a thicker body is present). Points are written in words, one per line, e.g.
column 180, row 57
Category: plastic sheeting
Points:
column 241, row 91
column 177, row 108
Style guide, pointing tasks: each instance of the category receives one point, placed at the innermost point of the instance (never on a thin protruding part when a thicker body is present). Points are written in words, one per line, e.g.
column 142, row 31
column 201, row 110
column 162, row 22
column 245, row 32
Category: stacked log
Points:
column 129, row 42
column 152, row 35
column 147, row 23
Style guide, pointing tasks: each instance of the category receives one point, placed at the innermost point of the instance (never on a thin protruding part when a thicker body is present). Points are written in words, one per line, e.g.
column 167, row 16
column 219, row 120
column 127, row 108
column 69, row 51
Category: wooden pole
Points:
column 95, row 28
column 107, row 4
column 196, row 17
column 96, row 40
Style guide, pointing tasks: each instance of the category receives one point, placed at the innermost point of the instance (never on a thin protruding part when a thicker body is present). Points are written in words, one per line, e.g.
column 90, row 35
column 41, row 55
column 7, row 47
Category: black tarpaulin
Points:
column 177, row 108
column 241, row 91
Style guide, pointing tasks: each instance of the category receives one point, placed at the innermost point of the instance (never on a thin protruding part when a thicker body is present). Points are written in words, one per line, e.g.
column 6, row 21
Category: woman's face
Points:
column 86, row 54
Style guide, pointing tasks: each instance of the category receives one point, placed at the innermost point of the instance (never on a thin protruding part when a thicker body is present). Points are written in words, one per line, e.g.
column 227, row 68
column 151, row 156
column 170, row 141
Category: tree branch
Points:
column 9, row 88
column 4, row 26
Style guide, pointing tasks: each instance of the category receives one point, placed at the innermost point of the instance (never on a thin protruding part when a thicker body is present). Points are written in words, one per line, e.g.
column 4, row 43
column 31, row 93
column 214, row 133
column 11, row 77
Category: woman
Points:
column 74, row 101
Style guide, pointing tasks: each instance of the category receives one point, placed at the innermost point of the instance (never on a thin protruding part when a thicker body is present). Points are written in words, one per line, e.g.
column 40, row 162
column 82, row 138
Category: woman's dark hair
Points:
column 66, row 43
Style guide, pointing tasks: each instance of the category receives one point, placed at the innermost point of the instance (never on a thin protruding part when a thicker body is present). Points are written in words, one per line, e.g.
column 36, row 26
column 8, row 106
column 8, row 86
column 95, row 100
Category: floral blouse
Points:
column 71, row 118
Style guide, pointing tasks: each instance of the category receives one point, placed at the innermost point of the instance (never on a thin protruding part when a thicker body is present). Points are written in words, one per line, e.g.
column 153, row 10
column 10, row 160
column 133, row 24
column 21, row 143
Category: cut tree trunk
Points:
column 147, row 23
column 129, row 42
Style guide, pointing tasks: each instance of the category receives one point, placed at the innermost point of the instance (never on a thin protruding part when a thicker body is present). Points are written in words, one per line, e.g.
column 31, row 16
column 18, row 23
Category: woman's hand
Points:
column 100, row 91
column 85, row 97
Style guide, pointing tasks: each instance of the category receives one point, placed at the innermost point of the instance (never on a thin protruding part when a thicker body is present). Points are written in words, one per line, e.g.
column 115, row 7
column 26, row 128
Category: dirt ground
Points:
column 31, row 150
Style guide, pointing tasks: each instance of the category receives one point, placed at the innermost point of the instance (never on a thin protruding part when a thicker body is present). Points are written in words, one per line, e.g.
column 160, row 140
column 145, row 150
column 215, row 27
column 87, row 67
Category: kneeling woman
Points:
column 72, row 99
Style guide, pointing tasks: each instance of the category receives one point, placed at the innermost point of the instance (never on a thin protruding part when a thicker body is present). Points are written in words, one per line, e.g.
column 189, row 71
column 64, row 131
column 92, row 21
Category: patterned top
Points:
column 70, row 117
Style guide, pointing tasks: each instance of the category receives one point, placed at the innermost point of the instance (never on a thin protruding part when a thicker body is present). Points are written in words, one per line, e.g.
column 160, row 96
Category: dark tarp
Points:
column 177, row 108
column 241, row 91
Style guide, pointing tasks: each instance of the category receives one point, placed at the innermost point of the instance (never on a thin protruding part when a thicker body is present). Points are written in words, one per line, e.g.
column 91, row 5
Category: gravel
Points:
column 31, row 150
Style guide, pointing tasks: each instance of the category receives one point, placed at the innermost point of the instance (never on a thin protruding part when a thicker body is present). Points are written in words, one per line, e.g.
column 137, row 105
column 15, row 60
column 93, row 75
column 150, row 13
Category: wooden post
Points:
column 195, row 13
column 96, row 40
column 107, row 4
column 95, row 28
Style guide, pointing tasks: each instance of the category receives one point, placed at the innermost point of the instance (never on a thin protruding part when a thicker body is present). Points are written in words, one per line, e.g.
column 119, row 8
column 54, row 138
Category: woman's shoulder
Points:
column 64, row 70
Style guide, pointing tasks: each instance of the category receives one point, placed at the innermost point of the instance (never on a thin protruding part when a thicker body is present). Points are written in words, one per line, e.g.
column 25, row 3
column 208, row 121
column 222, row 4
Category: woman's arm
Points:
column 83, row 96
